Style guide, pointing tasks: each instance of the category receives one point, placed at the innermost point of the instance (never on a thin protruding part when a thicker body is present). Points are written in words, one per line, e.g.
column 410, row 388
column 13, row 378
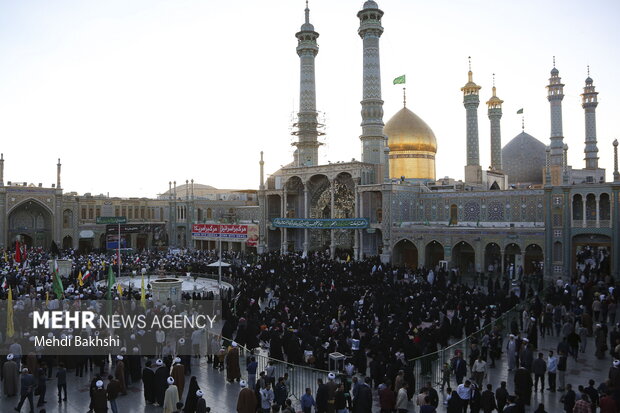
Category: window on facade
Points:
column 67, row 218
column 83, row 213
column 129, row 213
column 557, row 251
column 454, row 215
column 209, row 213
column 98, row 212
column 91, row 213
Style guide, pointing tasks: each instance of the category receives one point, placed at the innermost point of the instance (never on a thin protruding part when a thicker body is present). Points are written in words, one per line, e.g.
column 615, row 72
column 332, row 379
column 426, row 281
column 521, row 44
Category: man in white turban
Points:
column 171, row 397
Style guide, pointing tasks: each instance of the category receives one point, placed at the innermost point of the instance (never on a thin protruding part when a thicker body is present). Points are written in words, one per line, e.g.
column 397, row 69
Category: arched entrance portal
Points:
column 32, row 221
column 492, row 258
column 464, row 258
column 533, row 260
column 85, row 245
column 512, row 259
column 591, row 254
column 67, row 243
column 433, row 254
column 405, row 254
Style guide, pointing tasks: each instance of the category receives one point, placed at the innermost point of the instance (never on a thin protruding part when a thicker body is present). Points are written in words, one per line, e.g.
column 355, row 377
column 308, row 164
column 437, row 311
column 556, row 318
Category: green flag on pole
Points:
column 111, row 282
column 57, row 282
column 520, row 111
column 400, row 80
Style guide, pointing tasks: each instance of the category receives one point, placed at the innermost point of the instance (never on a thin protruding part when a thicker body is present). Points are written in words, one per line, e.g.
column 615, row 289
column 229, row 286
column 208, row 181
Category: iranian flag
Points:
column 87, row 274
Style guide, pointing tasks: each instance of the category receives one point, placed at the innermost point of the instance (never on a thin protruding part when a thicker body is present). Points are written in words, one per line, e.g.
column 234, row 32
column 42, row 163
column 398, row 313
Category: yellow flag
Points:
column 80, row 279
column 47, row 299
column 10, row 328
column 88, row 265
column 6, row 257
column 119, row 289
column 348, row 258
column 142, row 293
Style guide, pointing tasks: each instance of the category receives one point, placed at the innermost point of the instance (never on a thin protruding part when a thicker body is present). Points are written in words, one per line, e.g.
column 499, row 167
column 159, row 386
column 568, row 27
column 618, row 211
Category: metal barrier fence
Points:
column 429, row 367
column 425, row 368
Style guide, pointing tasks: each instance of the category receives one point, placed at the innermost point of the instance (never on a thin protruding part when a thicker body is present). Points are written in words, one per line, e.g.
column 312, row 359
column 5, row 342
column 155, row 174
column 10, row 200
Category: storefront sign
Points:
column 248, row 233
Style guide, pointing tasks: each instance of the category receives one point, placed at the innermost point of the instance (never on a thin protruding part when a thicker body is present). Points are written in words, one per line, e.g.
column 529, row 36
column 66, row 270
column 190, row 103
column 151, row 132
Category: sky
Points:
column 134, row 94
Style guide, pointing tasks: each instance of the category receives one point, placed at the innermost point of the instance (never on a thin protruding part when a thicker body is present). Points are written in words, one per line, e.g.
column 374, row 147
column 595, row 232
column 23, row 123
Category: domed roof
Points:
column 523, row 159
column 555, row 72
column 183, row 190
column 407, row 132
column 307, row 27
column 370, row 4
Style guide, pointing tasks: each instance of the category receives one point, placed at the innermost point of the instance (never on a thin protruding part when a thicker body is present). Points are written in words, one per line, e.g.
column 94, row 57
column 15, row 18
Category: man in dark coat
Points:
column 569, row 399
column 321, row 397
column 501, row 396
column 523, row 385
column 459, row 367
column 364, row 398
column 161, row 383
column 487, row 400
column 148, row 382
column 26, row 390
column 99, row 398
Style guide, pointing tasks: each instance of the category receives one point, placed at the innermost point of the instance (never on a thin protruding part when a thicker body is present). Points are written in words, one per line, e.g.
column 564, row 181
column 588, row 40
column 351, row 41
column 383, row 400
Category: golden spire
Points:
column 470, row 87
column 494, row 102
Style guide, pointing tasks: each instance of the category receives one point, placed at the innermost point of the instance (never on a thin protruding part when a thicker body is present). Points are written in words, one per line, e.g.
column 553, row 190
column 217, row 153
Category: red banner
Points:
column 247, row 233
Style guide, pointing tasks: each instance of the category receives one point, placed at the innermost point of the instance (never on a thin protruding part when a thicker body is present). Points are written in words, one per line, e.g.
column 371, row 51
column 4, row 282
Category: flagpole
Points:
column 119, row 248
column 219, row 267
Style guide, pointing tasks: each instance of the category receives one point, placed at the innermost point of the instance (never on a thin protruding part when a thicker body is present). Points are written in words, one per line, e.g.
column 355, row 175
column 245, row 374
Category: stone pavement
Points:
column 222, row 397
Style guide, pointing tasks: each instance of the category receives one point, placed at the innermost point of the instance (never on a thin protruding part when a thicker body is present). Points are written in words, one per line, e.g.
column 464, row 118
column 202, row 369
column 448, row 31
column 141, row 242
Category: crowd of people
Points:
column 301, row 309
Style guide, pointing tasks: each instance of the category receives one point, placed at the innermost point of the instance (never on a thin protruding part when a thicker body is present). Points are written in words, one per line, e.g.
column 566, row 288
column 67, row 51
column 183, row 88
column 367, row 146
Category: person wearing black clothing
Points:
column 41, row 385
column 340, row 400
column 474, row 399
column 61, row 381
column 501, row 396
column 433, row 396
column 321, row 397
column 593, row 394
column 148, row 383
column 487, row 400
column 539, row 368
column 364, row 398
column 455, row 404
column 568, row 399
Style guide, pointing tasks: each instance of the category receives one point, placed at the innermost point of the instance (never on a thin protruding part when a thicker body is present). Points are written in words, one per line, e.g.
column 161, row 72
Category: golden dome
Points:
column 407, row 132
column 412, row 146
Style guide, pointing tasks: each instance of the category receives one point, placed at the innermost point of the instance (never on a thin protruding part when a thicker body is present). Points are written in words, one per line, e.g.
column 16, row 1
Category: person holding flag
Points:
column 57, row 282
column 111, row 282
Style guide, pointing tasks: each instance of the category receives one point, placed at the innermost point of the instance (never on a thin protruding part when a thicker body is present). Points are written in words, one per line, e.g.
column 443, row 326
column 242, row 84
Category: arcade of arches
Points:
column 464, row 257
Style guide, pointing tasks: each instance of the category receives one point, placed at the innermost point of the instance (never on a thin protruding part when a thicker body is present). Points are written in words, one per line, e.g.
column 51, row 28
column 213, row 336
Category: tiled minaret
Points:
column 307, row 126
column 555, row 94
column 495, row 115
column 589, row 102
column 471, row 100
column 370, row 30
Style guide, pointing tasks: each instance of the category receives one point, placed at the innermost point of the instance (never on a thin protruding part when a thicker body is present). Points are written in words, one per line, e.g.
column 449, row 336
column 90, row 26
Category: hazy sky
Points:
column 133, row 94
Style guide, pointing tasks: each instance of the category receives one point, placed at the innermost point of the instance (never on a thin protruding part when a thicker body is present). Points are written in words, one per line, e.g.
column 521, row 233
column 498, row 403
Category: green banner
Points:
column 339, row 223
column 111, row 220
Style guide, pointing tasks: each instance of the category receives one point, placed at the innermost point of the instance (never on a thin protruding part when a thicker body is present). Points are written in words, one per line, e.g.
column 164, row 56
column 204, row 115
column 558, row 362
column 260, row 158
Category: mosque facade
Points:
column 529, row 210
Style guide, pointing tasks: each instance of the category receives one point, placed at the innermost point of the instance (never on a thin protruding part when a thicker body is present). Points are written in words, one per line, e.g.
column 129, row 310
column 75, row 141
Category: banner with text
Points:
column 336, row 223
column 247, row 233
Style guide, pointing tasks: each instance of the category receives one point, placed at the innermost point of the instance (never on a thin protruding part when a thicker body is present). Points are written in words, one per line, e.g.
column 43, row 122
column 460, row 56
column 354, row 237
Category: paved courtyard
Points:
column 222, row 397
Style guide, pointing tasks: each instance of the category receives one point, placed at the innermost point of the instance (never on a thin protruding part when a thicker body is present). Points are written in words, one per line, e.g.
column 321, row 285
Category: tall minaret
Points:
column 370, row 30
column 495, row 114
column 307, row 49
column 555, row 94
column 58, row 165
column 589, row 102
column 473, row 171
